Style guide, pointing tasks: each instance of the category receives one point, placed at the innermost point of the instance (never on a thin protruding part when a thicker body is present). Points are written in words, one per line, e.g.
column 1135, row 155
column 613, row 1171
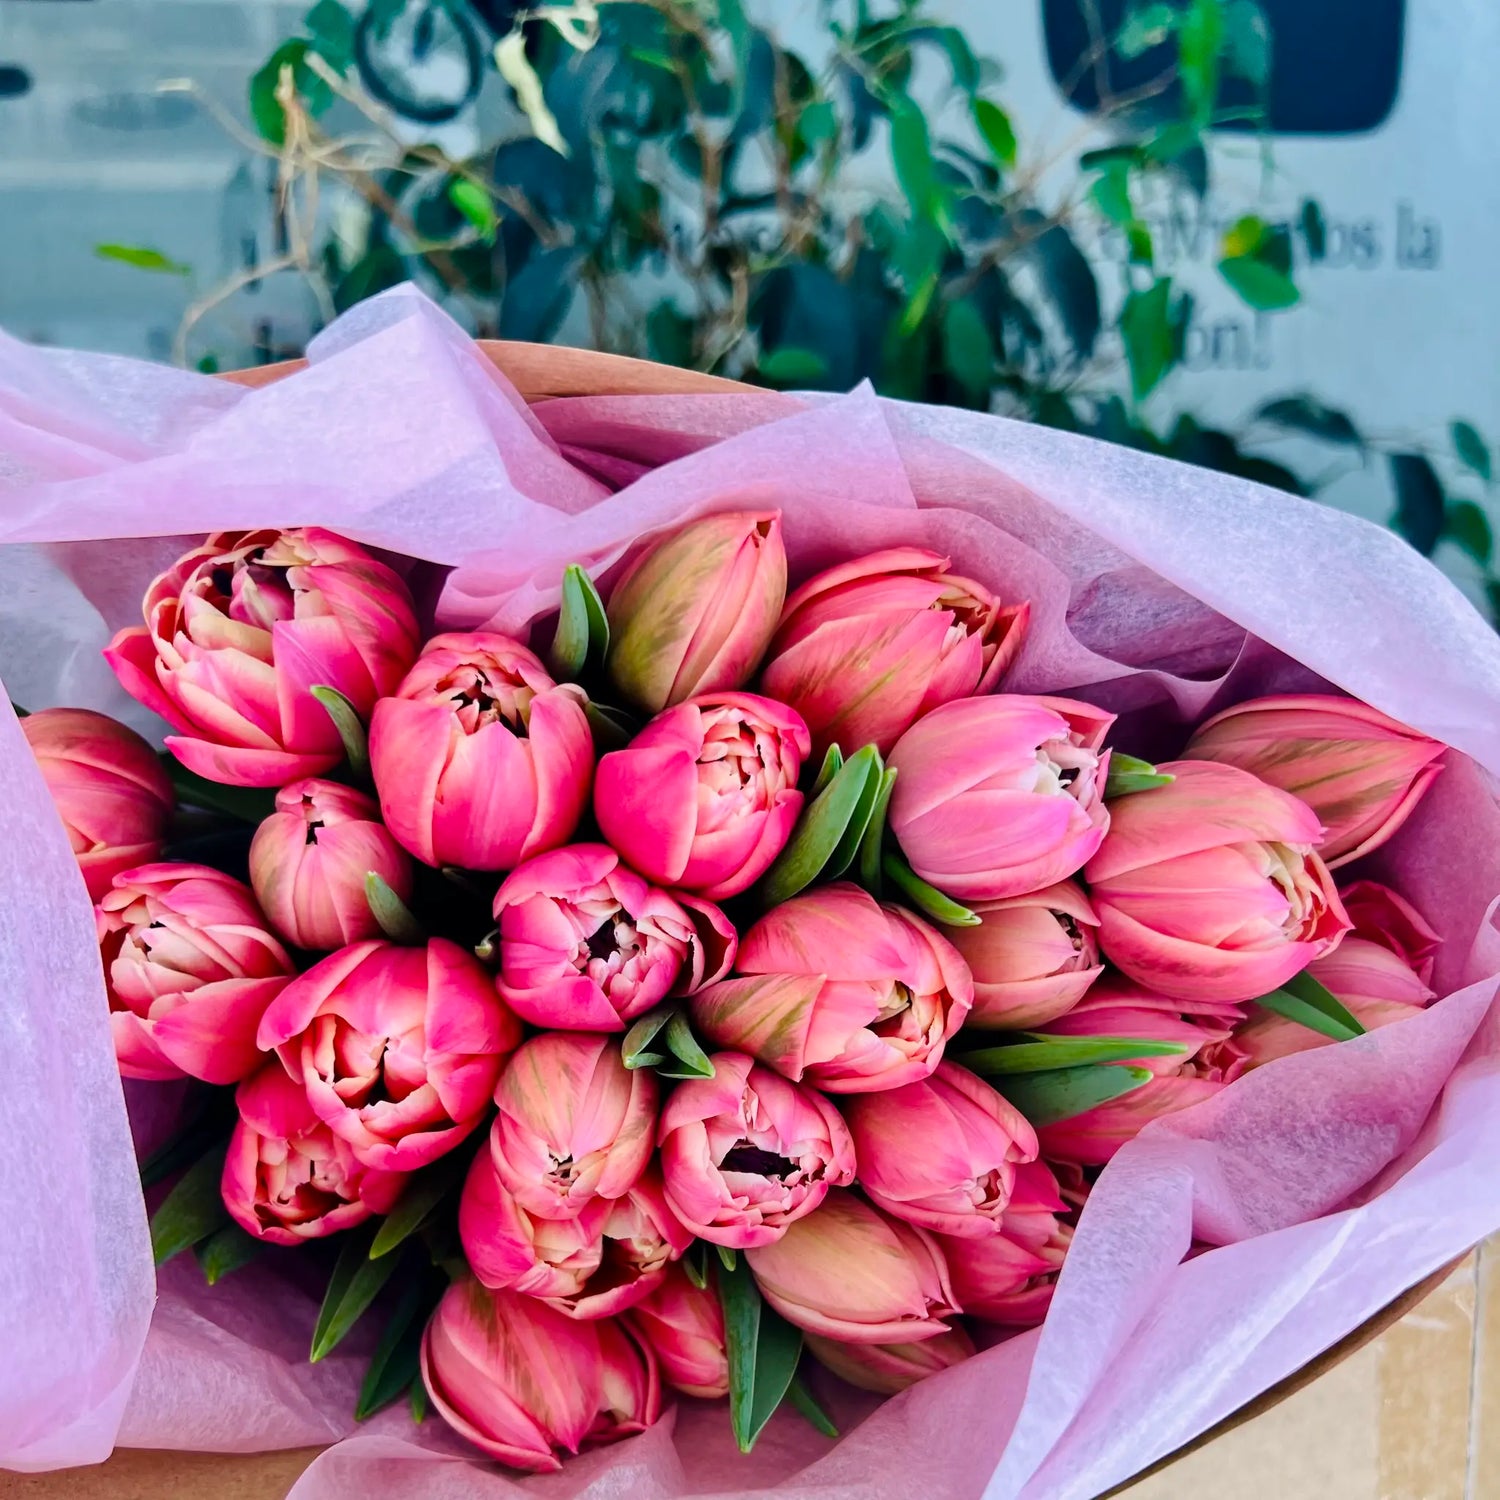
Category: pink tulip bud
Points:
column 1381, row 916
column 1361, row 772
column 705, row 796
column 999, row 796
column 866, row 648
column 398, row 1048
column 839, row 989
column 852, row 1273
column 745, row 1153
column 1209, row 1060
column 109, row 789
column 480, row 759
column 309, row 859
column 941, row 1152
column 587, row 945
column 1033, row 957
column 1008, row 1278
column 684, row 1325
column 288, row 1178
column 1209, row 888
column 575, row 1123
column 239, row 631
column 190, row 970
column 888, row 1368
column 694, row 611
column 612, row 1255
column 526, row 1385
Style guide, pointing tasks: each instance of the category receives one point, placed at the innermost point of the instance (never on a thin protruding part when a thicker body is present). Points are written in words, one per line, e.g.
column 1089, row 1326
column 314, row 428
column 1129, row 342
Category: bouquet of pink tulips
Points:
column 919, row 926
column 751, row 981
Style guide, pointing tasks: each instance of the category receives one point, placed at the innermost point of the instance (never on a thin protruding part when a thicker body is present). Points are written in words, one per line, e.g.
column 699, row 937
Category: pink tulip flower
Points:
column 852, row 1273
column 705, row 796
column 840, row 990
column 745, row 1153
column 1208, row 1062
column 480, row 759
column 527, row 1385
column 587, row 945
column 190, row 970
column 684, row 1325
column 866, row 648
column 1381, row 916
column 1008, row 1278
column 693, row 612
column 398, row 1048
column 239, row 631
column 996, row 797
column 941, row 1152
column 888, row 1368
column 309, row 859
column 110, row 790
column 614, row 1254
column 288, row 1178
column 1361, row 772
column 1209, row 887
column 575, row 1123
column 1033, row 957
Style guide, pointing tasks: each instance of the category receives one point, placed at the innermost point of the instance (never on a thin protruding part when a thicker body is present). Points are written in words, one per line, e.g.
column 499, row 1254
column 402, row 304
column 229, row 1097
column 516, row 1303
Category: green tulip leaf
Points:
column 193, row 1210
column 396, row 1362
column 683, row 1046
column 582, row 637
column 816, row 839
column 873, row 842
column 851, row 841
column 225, row 1251
column 612, row 728
column 807, row 1404
column 637, row 1047
column 1303, row 1000
column 424, row 1192
column 393, row 914
column 695, row 1267
column 1127, row 774
column 727, row 1257
column 763, row 1349
column 418, row 1401
column 1046, row 1098
column 1037, row 1053
column 250, row 804
column 927, row 899
column 832, row 761
column 351, row 730
column 354, row 1285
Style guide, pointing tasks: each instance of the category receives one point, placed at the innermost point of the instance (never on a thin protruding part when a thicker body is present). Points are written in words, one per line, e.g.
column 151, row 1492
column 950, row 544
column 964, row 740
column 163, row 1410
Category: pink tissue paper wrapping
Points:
column 1327, row 1182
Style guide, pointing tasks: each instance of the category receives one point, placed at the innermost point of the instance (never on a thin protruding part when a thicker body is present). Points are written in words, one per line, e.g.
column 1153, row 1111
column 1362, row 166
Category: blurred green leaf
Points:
column 1247, row 42
column 1465, row 523
column 225, row 1252
column 968, row 349
column 1420, row 501
column 332, row 30
column 1308, row 415
column 1472, row 451
column 911, row 152
column 265, row 108
column 1151, row 335
column 791, row 367
column 143, row 258
column 1200, row 43
column 1145, row 27
column 1110, row 193
column 1259, row 285
column 1314, row 230
column 476, row 206
column 193, row 1210
column 996, row 130
column 818, row 122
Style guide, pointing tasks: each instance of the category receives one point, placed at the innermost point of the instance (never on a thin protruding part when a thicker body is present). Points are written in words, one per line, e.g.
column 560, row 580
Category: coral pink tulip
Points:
column 480, row 759
column 526, row 1385
column 1033, row 957
column 842, row 991
column 1381, row 916
column 587, row 945
column 1209, row 887
column 239, row 631
column 309, row 859
column 190, row 970
column 941, row 1152
column 888, row 1368
column 866, row 648
column 694, row 611
column 288, row 1178
column 852, row 1273
column 1361, row 772
column 614, row 1254
column 109, row 789
column 745, row 1153
column 999, row 796
column 575, row 1123
column 1008, row 1278
column 705, row 796
column 1209, row 1060
column 684, row 1325
column 398, row 1048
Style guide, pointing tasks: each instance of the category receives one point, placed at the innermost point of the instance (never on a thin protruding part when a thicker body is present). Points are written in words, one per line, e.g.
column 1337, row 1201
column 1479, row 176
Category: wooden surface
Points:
column 1414, row 1415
